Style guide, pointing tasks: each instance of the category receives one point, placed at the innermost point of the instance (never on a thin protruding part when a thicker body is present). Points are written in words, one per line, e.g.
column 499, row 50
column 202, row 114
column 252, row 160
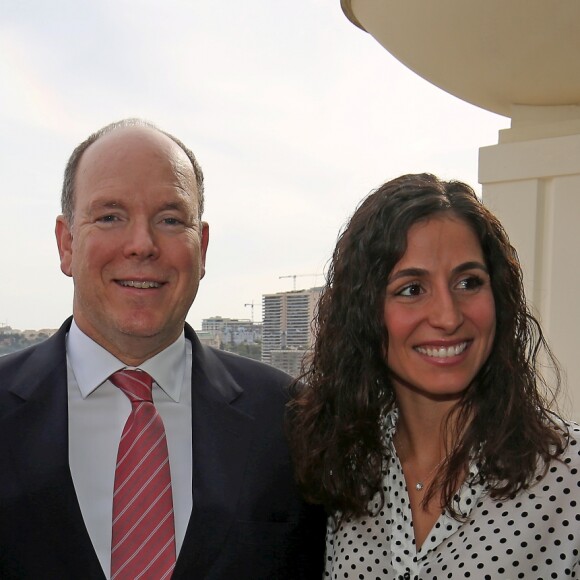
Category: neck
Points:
column 422, row 437
column 129, row 349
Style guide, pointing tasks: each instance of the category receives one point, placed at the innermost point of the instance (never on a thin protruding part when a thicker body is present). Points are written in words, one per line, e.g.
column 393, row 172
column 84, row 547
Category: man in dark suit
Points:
column 132, row 239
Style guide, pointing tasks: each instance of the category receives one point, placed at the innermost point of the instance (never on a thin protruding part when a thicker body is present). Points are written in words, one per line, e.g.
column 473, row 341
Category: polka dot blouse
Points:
column 535, row 535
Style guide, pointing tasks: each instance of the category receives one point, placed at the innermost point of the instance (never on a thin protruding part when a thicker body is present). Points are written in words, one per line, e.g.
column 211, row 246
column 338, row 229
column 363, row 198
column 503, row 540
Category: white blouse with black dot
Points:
column 535, row 535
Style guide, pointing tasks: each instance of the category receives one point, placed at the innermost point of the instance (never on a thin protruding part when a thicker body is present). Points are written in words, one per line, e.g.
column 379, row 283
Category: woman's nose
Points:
column 445, row 312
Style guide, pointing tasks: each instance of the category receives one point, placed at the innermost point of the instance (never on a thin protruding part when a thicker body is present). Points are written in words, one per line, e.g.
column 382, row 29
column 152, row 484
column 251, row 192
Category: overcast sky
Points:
column 294, row 114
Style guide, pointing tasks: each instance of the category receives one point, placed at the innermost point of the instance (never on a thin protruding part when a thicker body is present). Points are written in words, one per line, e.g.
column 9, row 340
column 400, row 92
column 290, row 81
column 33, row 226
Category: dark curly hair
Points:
column 503, row 418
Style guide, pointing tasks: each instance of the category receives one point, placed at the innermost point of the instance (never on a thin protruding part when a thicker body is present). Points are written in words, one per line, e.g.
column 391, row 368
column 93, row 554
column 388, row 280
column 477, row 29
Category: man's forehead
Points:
column 124, row 147
column 134, row 139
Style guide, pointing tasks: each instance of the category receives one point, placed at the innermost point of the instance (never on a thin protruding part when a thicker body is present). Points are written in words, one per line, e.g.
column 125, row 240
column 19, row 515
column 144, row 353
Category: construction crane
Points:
column 294, row 276
column 251, row 305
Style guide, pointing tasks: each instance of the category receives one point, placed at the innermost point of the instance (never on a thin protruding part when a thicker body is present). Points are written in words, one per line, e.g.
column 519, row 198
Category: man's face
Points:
column 136, row 248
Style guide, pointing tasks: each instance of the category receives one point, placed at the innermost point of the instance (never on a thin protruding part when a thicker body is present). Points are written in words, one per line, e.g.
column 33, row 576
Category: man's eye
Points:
column 410, row 290
column 107, row 219
column 172, row 221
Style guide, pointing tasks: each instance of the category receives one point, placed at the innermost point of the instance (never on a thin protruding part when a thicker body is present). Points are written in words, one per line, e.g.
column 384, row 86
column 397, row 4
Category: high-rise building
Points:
column 287, row 331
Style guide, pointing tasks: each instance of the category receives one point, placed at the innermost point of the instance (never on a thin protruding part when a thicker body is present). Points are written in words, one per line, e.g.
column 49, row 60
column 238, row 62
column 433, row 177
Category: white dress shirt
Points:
column 97, row 414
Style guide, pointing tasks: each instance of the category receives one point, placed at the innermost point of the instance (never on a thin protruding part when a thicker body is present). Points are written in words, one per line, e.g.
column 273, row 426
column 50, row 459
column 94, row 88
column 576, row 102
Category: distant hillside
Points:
column 11, row 341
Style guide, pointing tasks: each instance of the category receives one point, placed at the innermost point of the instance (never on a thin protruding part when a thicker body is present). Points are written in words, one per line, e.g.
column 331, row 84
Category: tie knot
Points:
column 137, row 385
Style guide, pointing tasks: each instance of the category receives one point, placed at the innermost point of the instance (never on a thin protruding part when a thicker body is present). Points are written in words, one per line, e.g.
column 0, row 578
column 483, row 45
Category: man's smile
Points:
column 143, row 284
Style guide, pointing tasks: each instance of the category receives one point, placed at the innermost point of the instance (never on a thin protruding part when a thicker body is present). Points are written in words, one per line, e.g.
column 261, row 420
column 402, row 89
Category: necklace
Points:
column 420, row 485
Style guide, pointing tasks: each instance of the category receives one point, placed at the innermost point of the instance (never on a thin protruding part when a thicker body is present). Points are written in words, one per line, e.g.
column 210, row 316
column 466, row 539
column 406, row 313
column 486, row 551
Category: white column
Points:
column 531, row 181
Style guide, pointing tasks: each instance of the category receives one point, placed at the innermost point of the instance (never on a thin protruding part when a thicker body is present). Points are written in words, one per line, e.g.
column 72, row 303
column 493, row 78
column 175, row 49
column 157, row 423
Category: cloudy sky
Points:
column 294, row 114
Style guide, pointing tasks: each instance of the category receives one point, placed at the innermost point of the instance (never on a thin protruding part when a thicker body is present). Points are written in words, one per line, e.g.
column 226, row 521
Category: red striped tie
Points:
column 143, row 544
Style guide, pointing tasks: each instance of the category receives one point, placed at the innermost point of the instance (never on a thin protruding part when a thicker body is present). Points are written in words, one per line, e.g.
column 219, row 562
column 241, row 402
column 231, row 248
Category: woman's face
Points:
column 439, row 310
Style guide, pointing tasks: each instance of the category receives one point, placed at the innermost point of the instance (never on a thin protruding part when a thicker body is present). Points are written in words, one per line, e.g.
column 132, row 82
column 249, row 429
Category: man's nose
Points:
column 445, row 311
column 141, row 240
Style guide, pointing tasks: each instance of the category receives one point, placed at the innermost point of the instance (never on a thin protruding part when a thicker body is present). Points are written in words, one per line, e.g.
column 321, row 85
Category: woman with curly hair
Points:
column 422, row 422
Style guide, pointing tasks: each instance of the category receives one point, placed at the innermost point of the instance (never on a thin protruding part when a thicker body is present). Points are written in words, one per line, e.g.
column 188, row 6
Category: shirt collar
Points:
column 92, row 365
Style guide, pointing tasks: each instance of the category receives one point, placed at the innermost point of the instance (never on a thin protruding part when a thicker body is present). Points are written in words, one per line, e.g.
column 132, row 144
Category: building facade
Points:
column 232, row 331
column 287, row 331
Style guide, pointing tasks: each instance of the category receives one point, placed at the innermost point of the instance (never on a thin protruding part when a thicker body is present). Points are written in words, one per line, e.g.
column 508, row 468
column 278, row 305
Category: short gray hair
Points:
column 68, row 186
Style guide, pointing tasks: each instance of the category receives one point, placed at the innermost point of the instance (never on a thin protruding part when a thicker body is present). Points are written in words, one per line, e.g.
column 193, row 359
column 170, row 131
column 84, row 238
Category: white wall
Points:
column 533, row 185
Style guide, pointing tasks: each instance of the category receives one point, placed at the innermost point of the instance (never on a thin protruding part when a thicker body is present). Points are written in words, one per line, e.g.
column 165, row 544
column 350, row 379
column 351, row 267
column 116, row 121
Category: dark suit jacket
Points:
column 247, row 520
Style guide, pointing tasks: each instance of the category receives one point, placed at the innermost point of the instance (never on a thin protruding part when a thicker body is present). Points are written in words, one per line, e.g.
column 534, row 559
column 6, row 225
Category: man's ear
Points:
column 64, row 243
column 204, row 243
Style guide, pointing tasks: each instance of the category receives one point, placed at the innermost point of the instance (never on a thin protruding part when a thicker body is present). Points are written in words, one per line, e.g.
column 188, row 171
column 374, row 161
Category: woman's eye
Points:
column 471, row 283
column 410, row 290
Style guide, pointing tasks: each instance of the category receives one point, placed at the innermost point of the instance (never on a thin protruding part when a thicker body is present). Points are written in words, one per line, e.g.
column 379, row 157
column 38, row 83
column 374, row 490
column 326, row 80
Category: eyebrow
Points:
column 114, row 204
column 104, row 204
column 184, row 208
column 177, row 205
column 420, row 272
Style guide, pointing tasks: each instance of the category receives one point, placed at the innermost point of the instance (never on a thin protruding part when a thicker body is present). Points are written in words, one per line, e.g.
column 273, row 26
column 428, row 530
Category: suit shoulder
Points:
column 11, row 363
column 13, row 367
column 24, row 366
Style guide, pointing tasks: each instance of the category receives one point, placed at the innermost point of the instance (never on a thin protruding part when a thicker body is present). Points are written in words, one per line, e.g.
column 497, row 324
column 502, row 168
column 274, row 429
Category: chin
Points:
column 139, row 328
column 443, row 391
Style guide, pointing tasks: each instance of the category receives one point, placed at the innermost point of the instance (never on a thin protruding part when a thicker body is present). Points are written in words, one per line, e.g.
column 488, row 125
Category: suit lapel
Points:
column 35, row 433
column 221, row 436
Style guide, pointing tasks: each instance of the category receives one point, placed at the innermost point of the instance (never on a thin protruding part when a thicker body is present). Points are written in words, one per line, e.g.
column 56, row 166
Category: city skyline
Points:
column 294, row 114
column 204, row 319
